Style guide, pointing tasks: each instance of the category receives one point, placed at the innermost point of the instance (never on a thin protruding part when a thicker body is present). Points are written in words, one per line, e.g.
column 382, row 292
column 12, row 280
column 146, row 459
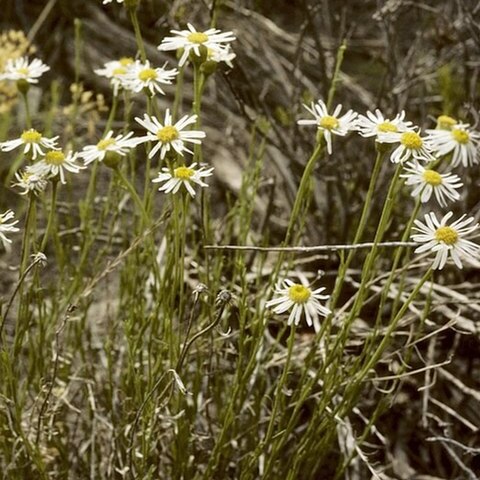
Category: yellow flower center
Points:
column 54, row 157
column 119, row 71
column 183, row 173
column 447, row 235
column 444, row 122
column 105, row 143
column 299, row 293
column 197, row 37
column 147, row 74
column 460, row 136
column 23, row 71
column 411, row 140
column 328, row 122
column 126, row 61
column 387, row 127
column 432, row 177
column 167, row 134
column 31, row 136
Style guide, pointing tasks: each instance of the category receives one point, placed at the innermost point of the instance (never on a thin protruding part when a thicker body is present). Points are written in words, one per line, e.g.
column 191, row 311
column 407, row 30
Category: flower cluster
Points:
column 456, row 139
column 170, row 138
column 451, row 141
column 137, row 76
column 47, row 161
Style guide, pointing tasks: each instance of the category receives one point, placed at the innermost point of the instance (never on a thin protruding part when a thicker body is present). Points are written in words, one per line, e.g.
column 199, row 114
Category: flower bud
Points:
column 112, row 159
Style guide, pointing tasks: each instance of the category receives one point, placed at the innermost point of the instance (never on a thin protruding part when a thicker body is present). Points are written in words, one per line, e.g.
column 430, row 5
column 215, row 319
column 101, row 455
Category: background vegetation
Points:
column 94, row 387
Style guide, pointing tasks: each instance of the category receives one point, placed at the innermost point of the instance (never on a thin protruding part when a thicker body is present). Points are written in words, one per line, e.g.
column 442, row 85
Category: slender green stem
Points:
column 27, row 232
column 51, row 215
column 28, row 116
column 178, row 92
column 215, row 10
column 373, row 359
column 138, row 33
column 302, row 193
column 148, row 164
column 133, row 194
column 297, row 214
column 334, row 355
column 279, row 398
column 111, row 115
column 302, row 197
column 93, row 175
column 367, row 270
column 360, row 229
column 198, row 83
column 336, row 74
column 399, row 251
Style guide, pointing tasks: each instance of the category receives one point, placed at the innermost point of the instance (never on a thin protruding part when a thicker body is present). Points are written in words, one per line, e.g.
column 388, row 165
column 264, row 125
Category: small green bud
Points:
column 209, row 67
column 199, row 59
column 131, row 4
column 23, row 86
column 382, row 148
column 112, row 159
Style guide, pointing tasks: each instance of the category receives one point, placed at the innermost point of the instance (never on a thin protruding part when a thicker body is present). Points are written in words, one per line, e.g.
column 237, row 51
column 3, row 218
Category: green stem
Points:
column 336, row 74
column 334, row 354
column 302, row 193
column 382, row 226
column 111, row 115
column 51, row 215
column 147, row 187
column 93, row 175
column 297, row 213
column 178, row 92
column 138, row 33
column 28, row 117
column 360, row 229
column 198, row 83
column 278, row 399
column 27, row 233
column 373, row 359
column 133, row 194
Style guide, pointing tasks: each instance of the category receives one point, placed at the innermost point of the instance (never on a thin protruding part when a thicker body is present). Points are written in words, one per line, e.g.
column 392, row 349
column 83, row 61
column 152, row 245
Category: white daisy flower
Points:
column 371, row 125
column 170, row 136
column 330, row 124
column 30, row 181
column 7, row 227
column 462, row 142
column 445, row 122
column 110, row 1
column 445, row 239
column 427, row 181
column 412, row 145
column 223, row 54
column 300, row 298
column 33, row 141
column 140, row 76
column 114, row 71
column 191, row 40
column 21, row 69
column 54, row 163
column 120, row 144
column 182, row 176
